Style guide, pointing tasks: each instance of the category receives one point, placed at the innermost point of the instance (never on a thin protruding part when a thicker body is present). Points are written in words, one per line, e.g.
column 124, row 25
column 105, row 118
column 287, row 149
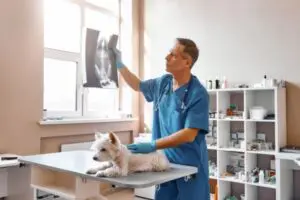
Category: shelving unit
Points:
column 235, row 141
column 63, row 184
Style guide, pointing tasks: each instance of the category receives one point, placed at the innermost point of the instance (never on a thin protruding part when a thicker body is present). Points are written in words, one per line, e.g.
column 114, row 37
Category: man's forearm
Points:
column 178, row 138
column 132, row 80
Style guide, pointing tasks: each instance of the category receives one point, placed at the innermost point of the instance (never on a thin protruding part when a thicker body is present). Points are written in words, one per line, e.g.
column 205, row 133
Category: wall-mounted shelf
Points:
column 233, row 145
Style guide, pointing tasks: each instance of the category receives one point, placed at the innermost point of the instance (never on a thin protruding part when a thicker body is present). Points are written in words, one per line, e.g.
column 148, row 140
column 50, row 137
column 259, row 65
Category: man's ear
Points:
column 113, row 138
column 189, row 61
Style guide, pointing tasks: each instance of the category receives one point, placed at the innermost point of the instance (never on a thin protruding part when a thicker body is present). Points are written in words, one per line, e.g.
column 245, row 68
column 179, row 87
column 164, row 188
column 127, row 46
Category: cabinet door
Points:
column 3, row 183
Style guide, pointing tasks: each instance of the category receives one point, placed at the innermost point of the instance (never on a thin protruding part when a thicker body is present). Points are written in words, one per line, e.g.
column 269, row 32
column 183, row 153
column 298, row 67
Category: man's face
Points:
column 177, row 60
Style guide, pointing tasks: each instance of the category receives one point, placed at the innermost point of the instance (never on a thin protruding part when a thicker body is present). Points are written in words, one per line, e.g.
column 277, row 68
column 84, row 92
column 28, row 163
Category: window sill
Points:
column 83, row 120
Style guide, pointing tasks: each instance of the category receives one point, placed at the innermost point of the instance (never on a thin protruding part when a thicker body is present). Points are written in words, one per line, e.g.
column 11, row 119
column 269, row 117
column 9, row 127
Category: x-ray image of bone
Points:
column 100, row 62
column 103, row 65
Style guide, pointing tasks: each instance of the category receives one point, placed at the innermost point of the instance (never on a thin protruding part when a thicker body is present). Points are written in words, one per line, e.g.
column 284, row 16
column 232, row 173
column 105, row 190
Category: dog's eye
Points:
column 102, row 149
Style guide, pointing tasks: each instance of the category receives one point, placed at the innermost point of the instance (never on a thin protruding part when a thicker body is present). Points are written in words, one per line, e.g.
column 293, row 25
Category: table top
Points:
column 77, row 163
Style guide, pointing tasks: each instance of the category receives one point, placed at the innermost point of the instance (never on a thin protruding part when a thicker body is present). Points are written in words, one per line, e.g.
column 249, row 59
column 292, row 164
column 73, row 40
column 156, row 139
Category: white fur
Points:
column 116, row 160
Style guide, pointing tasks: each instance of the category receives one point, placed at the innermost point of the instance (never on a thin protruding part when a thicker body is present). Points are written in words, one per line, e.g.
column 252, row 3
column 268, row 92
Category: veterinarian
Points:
column 180, row 120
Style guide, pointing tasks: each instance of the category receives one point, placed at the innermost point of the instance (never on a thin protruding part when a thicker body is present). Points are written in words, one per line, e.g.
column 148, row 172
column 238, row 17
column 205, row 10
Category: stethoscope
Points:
column 166, row 89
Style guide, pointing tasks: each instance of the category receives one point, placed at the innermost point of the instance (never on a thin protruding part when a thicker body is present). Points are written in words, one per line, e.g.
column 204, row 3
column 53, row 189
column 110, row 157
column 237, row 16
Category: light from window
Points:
column 62, row 25
column 127, row 99
column 106, row 24
column 112, row 5
column 102, row 101
column 59, row 85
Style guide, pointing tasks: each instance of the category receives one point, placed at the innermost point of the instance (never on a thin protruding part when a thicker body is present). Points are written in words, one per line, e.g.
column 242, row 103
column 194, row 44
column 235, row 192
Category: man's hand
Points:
column 146, row 147
column 118, row 56
column 132, row 80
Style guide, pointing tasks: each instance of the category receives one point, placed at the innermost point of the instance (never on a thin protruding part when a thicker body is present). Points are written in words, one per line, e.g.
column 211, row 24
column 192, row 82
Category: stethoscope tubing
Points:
column 165, row 90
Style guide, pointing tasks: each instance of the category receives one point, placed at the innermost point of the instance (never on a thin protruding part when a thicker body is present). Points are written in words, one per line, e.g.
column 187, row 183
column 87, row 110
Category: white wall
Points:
column 242, row 40
column 250, row 37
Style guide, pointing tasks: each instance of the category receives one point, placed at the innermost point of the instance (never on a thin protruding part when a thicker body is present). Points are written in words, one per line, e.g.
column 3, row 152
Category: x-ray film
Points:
column 100, row 62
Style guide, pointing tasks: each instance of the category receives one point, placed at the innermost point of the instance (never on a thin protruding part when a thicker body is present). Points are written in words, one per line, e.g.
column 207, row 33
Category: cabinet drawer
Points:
column 3, row 182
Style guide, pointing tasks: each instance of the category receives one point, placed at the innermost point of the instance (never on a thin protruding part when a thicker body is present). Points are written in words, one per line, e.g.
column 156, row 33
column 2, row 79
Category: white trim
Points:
column 61, row 55
column 81, row 70
column 67, row 56
column 59, row 114
column 83, row 120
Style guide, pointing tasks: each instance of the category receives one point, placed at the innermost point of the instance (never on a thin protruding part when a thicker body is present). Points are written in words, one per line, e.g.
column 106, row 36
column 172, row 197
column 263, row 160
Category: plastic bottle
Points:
column 224, row 83
column 210, row 84
column 264, row 81
column 44, row 114
column 217, row 83
column 261, row 176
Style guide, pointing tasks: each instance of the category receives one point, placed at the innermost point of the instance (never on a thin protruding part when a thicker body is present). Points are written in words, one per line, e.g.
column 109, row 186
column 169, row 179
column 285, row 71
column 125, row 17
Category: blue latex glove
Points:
column 118, row 57
column 146, row 147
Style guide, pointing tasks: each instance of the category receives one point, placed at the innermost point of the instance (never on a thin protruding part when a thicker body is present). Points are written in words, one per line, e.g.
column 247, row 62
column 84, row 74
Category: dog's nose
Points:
column 95, row 158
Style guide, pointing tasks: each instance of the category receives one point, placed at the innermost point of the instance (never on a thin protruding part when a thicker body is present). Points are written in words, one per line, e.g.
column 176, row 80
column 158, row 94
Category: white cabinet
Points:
column 238, row 143
column 145, row 192
column 3, row 182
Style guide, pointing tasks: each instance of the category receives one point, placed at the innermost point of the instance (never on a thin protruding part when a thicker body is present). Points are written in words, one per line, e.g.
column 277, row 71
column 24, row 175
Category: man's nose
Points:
column 167, row 57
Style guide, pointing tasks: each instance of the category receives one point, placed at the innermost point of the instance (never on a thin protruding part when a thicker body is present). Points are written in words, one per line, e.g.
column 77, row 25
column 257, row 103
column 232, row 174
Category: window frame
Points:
column 81, row 92
column 72, row 57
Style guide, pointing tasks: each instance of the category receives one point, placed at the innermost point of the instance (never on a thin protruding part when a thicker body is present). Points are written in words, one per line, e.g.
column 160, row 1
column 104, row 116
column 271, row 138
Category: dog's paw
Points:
column 92, row 171
column 100, row 174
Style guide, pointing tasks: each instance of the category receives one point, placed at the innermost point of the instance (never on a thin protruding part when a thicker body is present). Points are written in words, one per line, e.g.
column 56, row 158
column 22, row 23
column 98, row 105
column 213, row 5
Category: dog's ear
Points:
column 113, row 138
column 93, row 146
column 98, row 135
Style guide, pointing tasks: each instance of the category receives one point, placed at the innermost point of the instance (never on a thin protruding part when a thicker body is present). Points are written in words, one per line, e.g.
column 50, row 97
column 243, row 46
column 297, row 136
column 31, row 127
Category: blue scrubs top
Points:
column 186, row 107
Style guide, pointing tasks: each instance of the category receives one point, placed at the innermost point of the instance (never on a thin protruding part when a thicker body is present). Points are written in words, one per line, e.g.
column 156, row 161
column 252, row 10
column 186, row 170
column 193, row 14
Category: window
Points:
column 111, row 5
column 64, row 85
column 64, row 25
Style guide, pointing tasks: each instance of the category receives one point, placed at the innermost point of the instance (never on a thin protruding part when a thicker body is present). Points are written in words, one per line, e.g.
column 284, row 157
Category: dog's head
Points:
column 106, row 146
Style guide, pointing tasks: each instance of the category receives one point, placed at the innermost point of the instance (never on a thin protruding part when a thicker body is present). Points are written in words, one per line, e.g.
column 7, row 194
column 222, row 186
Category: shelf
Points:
column 259, row 192
column 263, row 152
column 63, row 184
column 243, row 89
column 243, row 120
column 211, row 147
column 262, row 120
column 231, row 149
column 231, row 179
column 244, row 144
column 61, row 191
column 232, row 119
column 228, row 188
column 230, row 135
column 266, row 185
column 235, row 180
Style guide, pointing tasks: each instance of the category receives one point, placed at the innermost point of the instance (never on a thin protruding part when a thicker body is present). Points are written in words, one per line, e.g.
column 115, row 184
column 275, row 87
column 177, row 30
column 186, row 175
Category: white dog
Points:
column 116, row 160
